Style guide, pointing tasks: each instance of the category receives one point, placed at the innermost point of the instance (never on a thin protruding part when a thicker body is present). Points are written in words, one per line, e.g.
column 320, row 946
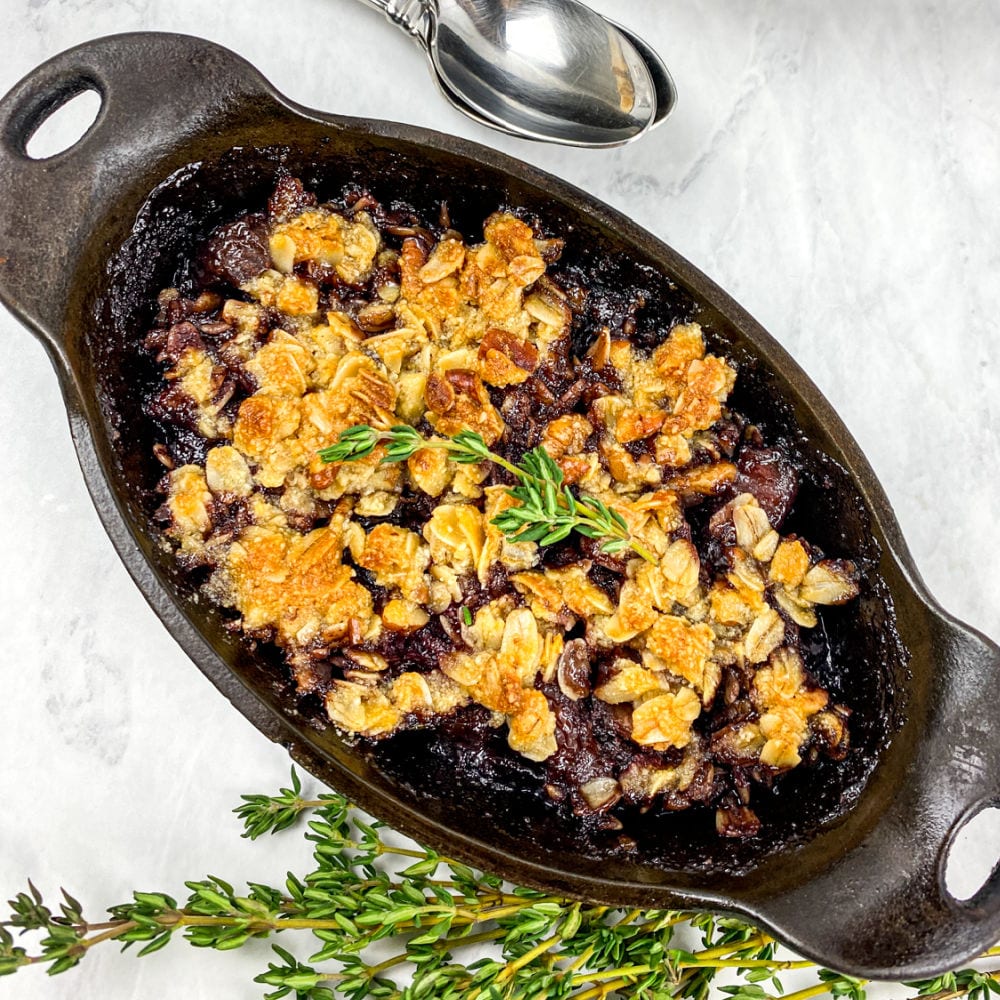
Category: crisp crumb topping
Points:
column 692, row 661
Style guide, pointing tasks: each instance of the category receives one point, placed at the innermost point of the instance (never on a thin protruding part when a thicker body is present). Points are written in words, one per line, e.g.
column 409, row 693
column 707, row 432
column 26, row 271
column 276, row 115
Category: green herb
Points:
column 466, row 615
column 549, row 511
column 453, row 933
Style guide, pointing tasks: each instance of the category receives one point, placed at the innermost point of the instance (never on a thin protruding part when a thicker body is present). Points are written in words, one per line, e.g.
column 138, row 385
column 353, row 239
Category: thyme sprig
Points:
column 548, row 510
column 460, row 934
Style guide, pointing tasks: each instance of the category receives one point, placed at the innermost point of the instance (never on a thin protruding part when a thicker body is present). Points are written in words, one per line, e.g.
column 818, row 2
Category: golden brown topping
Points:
column 412, row 257
column 783, row 728
column 464, row 669
column 684, row 345
column 702, row 480
column 729, row 606
column 375, row 710
column 750, row 522
column 567, row 435
column 708, row 382
column 398, row 559
column 628, row 682
column 632, row 474
column 672, row 450
column 458, row 401
column 512, row 237
column 297, row 585
column 502, row 680
column 226, row 471
column 404, row 616
column 263, row 423
column 548, row 307
column 506, row 359
column 521, row 648
column 828, row 583
column 544, row 596
column 578, row 468
column 463, row 337
column 367, row 661
column 675, row 580
column 446, row 258
column 327, row 238
column 516, row 244
column 764, row 635
column 634, row 424
column 296, row 297
column 189, row 503
column 410, row 405
column 498, row 547
column 553, row 645
column 665, row 505
column 410, row 692
column 204, row 384
column 455, row 534
column 430, row 470
column 798, row 610
column 582, row 597
column 789, row 564
column 439, row 395
column 533, row 727
column 683, row 648
column 665, row 720
column 282, row 366
column 746, row 573
column 358, row 708
column 395, row 348
column 786, row 707
column 635, row 613
column 468, row 480
column 554, row 592
column 358, row 478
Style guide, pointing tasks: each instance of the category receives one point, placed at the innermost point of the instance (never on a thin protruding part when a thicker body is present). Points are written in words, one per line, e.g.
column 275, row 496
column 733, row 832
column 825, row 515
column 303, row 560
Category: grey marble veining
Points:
column 834, row 166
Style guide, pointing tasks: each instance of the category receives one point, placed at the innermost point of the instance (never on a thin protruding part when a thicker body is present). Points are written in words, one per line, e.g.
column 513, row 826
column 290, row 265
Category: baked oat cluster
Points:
column 395, row 599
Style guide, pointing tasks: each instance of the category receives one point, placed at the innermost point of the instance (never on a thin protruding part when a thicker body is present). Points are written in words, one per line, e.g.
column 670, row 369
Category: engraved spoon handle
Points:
column 411, row 16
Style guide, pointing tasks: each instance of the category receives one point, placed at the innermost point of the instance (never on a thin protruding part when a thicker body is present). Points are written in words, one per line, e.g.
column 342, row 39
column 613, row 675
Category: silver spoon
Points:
column 663, row 84
column 553, row 70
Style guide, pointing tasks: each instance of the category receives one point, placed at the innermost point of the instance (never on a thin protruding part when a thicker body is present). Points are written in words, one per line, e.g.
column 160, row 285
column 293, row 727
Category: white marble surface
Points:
column 834, row 166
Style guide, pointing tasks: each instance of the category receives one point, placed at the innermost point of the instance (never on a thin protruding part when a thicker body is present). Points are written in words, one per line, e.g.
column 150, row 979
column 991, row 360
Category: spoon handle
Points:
column 409, row 15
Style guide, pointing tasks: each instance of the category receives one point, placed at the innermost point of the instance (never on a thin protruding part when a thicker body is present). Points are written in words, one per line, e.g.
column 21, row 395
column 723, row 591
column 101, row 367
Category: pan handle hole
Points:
column 974, row 854
column 65, row 126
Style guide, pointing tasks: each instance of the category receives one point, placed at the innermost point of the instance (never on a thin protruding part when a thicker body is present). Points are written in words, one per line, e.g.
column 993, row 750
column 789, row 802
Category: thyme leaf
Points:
column 454, row 933
column 548, row 510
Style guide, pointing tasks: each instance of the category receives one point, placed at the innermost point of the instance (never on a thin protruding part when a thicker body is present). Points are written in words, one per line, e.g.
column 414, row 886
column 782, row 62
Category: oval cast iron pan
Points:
column 849, row 869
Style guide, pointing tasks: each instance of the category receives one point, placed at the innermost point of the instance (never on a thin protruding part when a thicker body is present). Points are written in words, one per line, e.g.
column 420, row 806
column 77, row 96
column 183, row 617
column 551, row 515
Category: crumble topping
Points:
column 393, row 595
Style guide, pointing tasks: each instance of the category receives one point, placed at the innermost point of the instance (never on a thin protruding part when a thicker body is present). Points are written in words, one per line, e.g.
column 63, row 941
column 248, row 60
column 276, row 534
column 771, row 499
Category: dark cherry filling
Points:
column 596, row 769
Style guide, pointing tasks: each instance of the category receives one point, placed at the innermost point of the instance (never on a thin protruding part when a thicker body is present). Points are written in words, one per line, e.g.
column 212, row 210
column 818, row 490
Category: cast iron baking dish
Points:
column 849, row 867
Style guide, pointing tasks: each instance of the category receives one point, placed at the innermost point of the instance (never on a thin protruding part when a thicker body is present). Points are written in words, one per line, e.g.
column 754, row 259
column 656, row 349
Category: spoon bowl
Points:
column 663, row 84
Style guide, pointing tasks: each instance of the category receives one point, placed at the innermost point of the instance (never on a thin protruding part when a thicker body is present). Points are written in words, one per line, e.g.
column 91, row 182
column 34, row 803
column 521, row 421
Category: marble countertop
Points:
column 834, row 166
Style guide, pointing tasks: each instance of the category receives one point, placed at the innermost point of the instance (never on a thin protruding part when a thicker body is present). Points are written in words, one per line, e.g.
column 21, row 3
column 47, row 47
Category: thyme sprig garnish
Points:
column 459, row 934
column 548, row 510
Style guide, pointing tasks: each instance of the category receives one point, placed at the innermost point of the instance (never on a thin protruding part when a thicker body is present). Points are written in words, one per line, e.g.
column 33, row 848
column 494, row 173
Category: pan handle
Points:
column 969, row 777
column 155, row 89
column 883, row 911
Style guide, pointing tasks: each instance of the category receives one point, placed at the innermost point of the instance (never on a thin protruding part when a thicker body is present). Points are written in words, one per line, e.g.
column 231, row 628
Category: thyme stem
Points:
column 539, row 945
column 993, row 974
column 820, row 989
column 548, row 510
